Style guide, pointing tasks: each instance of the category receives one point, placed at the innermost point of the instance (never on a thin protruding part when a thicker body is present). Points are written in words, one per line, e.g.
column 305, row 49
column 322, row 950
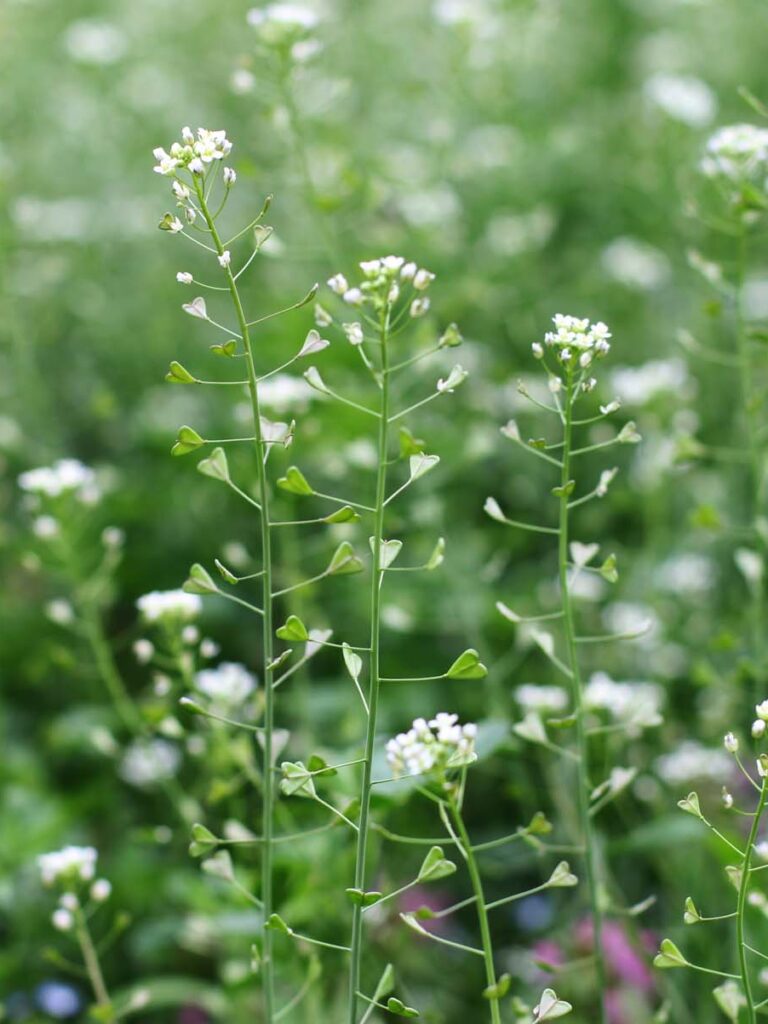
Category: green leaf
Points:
column 438, row 554
column 691, row 914
column 275, row 923
column 386, row 982
column 467, row 666
column 227, row 348
column 388, row 551
column 409, row 445
column 500, row 989
column 363, row 899
column 608, row 569
column 562, row 877
column 220, row 866
column 421, row 464
column 177, row 374
column 669, row 956
column 297, row 780
column 320, row 767
column 294, row 482
column 345, row 514
column 202, row 841
column 690, row 805
column 187, row 440
column 450, row 338
column 565, row 491
column 294, row 630
column 344, row 561
column 730, row 998
column 215, row 465
column 199, row 581
column 353, row 662
column 224, row 572
column 435, row 865
column 398, row 1007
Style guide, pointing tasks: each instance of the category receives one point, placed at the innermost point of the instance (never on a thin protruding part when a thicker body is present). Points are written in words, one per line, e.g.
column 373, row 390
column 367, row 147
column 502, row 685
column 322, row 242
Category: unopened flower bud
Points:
column 730, row 743
column 101, row 890
column 184, row 277
column 230, row 176
column 62, row 920
column 758, row 728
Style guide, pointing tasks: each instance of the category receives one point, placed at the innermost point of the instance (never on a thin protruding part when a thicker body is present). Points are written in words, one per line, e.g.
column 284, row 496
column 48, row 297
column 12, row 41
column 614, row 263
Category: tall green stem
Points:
column 267, row 828
column 93, row 967
column 741, row 905
column 588, row 838
column 482, row 913
column 753, row 447
column 377, row 577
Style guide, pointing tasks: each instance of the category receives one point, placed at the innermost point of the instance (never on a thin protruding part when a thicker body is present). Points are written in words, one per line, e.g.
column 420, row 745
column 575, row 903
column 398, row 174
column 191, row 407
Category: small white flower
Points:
column 62, row 920
column 353, row 297
column 143, row 650
column 112, row 537
column 761, row 710
column 538, row 350
column 758, row 728
column 730, row 743
column 187, row 136
column 394, row 293
column 101, row 890
column 392, row 263
column 184, row 277
column 419, row 307
column 408, row 271
column 45, row 527
column 180, row 191
column 69, row 901
column 190, row 634
column 422, row 279
column 197, row 166
column 63, row 476
column 338, row 284
column 230, row 176
column 370, row 267
column 228, row 685
column 727, row 799
column 69, row 863
column 208, row 648
column 225, row 259
column 169, row 604
column 60, row 611
column 175, row 225
column 354, row 333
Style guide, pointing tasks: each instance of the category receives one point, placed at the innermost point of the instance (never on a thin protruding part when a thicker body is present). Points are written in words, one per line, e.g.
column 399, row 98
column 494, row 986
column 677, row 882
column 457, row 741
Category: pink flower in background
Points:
column 624, row 960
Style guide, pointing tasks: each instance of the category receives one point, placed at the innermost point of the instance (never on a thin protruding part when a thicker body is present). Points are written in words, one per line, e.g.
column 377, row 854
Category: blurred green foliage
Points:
column 518, row 149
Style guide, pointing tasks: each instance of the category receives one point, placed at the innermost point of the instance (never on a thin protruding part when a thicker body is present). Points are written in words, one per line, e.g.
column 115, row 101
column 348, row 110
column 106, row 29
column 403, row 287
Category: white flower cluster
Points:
column 636, row 705
column 541, row 699
column 192, row 153
column 575, row 342
column 737, row 152
column 71, row 864
column 64, row 476
column 760, row 724
column 169, row 605
column 692, row 761
column 149, row 761
column 228, row 684
column 383, row 280
column 432, row 746
column 281, row 23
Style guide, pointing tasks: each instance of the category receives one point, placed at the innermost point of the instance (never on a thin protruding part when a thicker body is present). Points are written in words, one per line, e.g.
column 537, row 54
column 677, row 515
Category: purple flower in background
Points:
column 193, row 1015
column 58, row 999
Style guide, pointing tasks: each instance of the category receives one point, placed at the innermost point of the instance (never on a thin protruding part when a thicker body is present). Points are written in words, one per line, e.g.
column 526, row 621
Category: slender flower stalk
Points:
column 267, row 632
column 568, row 355
column 736, row 991
column 193, row 165
column 588, row 838
column 374, row 686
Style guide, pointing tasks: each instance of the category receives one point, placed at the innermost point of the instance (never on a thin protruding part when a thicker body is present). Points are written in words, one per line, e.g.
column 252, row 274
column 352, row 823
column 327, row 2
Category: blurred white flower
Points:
column 242, row 81
column 94, row 42
column 635, row 264
column 691, row 761
column 60, row 611
column 638, row 385
column 228, row 684
column 682, row 97
column 101, row 890
column 737, row 152
column 66, row 475
column 148, row 761
column 532, row 697
column 72, row 863
column 45, row 527
column 169, row 604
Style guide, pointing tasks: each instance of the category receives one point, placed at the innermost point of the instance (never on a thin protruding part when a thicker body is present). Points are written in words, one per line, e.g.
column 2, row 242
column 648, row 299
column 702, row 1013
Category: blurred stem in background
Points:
column 750, row 403
column 377, row 579
column 261, row 451
column 583, row 782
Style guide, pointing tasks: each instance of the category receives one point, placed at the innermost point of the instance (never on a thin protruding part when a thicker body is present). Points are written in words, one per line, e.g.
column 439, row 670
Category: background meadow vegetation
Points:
column 539, row 157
